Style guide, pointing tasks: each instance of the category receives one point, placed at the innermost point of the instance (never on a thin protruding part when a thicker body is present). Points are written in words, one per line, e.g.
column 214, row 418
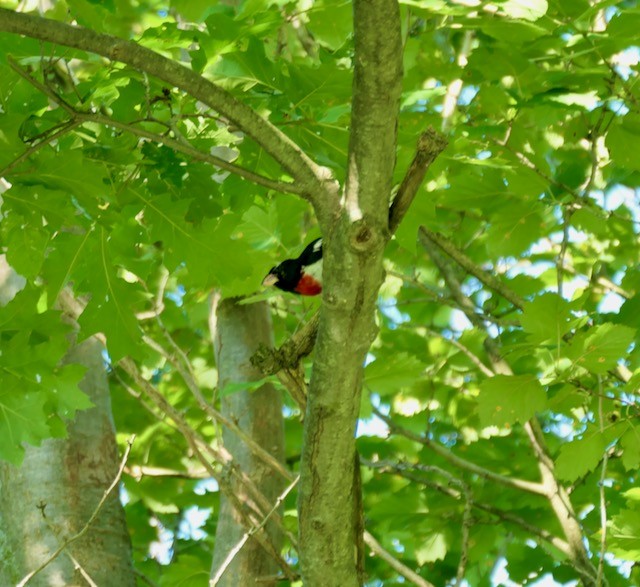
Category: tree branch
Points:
column 463, row 261
column 249, row 533
column 430, row 145
column 79, row 117
column 313, row 179
column 555, row 493
column 66, row 128
column 459, row 462
column 248, row 510
column 214, row 414
column 545, row 535
column 394, row 563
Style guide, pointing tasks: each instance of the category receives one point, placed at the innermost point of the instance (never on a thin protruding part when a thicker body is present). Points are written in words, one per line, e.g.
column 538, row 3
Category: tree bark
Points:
column 53, row 494
column 237, row 332
column 352, row 273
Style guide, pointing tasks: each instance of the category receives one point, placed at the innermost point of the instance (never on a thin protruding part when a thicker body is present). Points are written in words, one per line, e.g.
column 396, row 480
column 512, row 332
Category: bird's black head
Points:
column 284, row 276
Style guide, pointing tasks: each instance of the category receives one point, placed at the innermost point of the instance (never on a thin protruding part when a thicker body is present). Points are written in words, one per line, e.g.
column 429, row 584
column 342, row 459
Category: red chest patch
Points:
column 308, row 286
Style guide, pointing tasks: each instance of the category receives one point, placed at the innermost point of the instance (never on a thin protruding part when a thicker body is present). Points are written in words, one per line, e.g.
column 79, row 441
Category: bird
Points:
column 301, row 276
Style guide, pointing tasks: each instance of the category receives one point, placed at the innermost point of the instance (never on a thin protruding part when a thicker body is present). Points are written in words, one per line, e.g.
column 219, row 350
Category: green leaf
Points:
column 506, row 399
column 601, row 347
column 330, row 23
column 62, row 384
column 27, row 246
column 529, row 10
column 388, row 376
column 72, row 174
column 618, row 139
column 22, row 420
column 208, row 249
column 260, row 227
column 580, row 456
column 248, row 68
column 192, row 10
column 514, row 229
column 239, row 386
column 433, row 548
column 186, row 571
column 623, row 537
column 546, row 318
column 113, row 299
column 630, row 442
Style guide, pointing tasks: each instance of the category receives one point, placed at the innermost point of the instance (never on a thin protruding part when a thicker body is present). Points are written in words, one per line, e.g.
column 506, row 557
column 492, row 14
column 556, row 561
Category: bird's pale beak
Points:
column 270, row 279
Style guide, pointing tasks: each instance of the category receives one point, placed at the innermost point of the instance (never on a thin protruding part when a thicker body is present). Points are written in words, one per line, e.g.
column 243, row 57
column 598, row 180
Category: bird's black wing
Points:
column 312, row 253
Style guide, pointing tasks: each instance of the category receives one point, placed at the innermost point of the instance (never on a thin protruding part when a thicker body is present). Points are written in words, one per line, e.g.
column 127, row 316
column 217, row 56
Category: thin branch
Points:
column 394, row 563
column 541, row 533
column 249, row 533
column 144, row 578
column 288, row 355
column 555, row 493
column 189, row 379
column 314, row 179
column 158, row 302
column 564, row 245
column 80, row 117
column 558, row 498
column 90, row 521
column 531, row 165
column 603, row 499
column 82, row 571
column 461, row 259
column 459, row 462
column 465, row 492
column 464, row 350
column 198, row 445
column 603, row 282
column 137, row 472
column 430, row 144
column 66, row 128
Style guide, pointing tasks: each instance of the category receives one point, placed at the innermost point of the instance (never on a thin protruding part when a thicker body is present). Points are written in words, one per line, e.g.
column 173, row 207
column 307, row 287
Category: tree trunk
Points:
column 53, row 494
column 237, row 331
column 353, row 249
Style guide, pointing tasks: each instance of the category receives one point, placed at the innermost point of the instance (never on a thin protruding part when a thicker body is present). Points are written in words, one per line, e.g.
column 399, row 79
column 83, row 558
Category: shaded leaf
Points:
column 508, row 399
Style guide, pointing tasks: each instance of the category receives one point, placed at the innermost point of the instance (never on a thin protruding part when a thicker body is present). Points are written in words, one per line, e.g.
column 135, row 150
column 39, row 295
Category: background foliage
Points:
column 109, row 186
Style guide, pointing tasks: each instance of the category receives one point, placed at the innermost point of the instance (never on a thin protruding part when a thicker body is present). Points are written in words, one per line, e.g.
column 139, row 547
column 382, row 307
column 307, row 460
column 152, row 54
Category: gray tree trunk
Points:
column 237, row 331
column 53, row 494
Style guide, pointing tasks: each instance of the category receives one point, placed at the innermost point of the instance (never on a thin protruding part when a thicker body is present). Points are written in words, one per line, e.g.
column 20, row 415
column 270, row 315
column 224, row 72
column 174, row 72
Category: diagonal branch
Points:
column 430, row 145
column 314, row 179
column 79, row 117
column 541, row 533
column 394, row 563
column 459, row 462
column 468, row 265
column 249, row 533
column 555, row 493
column 64, row 129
